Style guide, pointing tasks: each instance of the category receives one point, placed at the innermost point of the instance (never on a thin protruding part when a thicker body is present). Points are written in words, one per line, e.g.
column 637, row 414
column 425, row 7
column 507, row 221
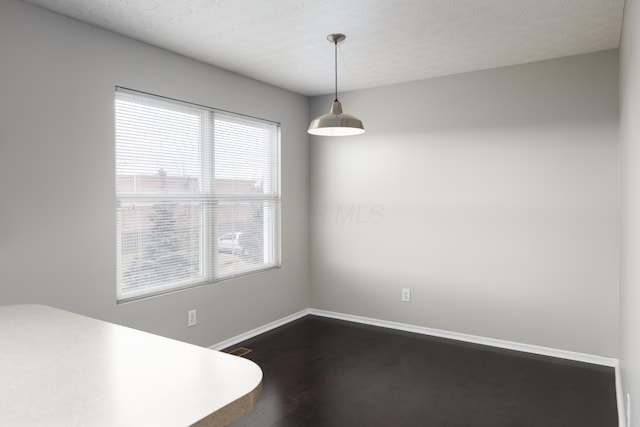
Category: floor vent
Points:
column 240, row 351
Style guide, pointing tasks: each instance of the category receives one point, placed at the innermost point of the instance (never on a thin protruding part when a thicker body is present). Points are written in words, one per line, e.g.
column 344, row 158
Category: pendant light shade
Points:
column 336, row 123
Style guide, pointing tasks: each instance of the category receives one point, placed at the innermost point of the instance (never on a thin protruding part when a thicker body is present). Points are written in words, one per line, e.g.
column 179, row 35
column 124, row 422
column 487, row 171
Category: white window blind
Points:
column 198, row 194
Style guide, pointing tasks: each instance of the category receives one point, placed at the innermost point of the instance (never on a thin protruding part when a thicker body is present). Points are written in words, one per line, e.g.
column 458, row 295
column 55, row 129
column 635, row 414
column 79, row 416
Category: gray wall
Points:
column 630, row 150
column 57, row 218
column 493, row 195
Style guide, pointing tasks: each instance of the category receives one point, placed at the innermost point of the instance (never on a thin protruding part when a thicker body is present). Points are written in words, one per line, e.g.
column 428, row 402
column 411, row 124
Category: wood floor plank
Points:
column 331, row 373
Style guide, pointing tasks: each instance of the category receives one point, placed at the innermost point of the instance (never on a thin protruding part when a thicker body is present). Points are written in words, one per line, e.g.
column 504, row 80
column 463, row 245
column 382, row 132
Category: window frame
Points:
column 210, row 271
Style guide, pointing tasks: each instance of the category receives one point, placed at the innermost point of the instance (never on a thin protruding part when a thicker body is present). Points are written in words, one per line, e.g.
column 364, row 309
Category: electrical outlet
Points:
column 191, row 318
column 406, row 294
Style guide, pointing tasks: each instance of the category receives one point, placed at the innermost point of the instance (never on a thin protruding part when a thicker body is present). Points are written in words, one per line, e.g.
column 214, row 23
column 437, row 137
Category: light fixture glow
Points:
column 336, row 123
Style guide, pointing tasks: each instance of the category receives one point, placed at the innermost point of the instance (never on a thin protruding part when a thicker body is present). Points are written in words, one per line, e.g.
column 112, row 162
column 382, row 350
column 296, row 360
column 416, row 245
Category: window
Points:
column 198, row 194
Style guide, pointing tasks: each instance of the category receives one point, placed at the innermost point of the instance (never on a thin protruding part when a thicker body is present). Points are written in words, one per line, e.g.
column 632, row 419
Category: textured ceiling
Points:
column 283, row 42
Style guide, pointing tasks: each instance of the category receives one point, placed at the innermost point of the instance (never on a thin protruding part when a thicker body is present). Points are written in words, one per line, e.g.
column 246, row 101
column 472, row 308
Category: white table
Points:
column 62, row 369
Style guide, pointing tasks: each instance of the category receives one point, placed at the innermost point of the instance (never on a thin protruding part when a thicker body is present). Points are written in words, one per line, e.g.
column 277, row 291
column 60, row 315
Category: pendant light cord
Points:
column 335, row 62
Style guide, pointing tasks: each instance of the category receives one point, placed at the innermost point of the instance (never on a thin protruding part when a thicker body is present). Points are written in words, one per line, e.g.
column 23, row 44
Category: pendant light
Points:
column 336, row 123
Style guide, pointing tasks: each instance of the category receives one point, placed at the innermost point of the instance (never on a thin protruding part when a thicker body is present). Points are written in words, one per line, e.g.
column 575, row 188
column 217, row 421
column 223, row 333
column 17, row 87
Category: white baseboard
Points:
column 622, row 413
column 492, row 342
column 259, row 330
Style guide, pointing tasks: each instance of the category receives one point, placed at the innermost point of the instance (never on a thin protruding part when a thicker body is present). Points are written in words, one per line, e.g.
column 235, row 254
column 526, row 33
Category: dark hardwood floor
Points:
column 324, row 372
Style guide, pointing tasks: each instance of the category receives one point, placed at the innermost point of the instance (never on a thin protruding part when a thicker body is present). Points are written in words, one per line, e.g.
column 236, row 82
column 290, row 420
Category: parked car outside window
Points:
column 231, row 243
